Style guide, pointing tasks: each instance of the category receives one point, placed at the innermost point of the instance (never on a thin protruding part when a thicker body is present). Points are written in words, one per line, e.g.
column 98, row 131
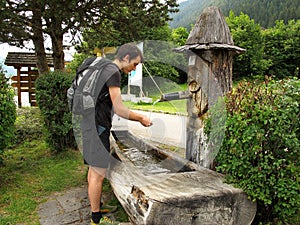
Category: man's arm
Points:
column 121, row 110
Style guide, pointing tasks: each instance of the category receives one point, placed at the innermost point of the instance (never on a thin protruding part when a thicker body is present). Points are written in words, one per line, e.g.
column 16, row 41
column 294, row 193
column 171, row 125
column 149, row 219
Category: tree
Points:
column 33, row 19
column 247, row 34
column 282, row 47
column 21, row 21
column 264, row 12
column 95, row 39
column 179, row 36
column 158, row 44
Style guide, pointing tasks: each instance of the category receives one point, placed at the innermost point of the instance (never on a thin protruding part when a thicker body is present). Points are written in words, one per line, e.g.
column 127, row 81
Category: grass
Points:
column 172, row 107
column 30, row 174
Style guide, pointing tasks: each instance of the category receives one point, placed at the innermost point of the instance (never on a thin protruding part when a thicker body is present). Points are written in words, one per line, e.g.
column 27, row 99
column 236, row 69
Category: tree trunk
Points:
column 38, row 41
column 58, row 52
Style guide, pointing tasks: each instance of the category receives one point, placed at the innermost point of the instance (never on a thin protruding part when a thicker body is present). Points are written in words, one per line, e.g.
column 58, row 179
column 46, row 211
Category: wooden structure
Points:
column 25, row 63
column 211, row 49
column 173, row 190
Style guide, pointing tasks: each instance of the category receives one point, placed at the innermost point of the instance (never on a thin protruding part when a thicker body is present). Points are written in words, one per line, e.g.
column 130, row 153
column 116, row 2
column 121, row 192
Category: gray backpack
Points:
column 86, row 86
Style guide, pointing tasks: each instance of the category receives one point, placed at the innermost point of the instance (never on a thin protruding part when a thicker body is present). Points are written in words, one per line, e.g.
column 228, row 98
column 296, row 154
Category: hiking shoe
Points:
column 93, row 223
column 106, row 221
column 108, row 209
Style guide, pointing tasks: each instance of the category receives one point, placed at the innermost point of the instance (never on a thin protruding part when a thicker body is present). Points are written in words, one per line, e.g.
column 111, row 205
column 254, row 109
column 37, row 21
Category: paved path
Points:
column 69, row 207
column 72, row 206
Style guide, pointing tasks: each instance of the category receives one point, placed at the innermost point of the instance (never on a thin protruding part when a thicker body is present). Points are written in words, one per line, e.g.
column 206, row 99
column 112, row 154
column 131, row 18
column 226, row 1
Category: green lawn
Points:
column 173, row 107
column 29, row 174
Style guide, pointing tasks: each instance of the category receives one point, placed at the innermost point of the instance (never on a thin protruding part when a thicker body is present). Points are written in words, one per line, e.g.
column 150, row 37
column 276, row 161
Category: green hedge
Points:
column 260, row 152
column 7, row 114
column 51, row 89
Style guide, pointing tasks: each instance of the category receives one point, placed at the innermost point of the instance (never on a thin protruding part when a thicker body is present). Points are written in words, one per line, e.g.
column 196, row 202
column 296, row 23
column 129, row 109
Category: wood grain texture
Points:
column 198, row 196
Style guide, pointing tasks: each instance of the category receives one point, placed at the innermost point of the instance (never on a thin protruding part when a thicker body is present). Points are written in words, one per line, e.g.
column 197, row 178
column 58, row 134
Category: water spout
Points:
column 175, row 96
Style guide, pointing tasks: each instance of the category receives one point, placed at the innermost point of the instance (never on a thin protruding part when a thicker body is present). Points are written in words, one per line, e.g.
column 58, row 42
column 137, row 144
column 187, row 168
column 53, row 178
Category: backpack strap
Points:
column 99, row 65
column 83, row 97
column 84, row 66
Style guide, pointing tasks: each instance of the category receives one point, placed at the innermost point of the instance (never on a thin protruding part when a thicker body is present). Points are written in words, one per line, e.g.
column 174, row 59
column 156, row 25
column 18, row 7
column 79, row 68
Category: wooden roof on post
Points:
column 25, row 59
column 210, row 33
column 24, row 80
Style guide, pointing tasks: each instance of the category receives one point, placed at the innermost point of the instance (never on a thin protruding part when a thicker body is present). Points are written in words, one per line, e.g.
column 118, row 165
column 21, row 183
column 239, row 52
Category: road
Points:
column 166, row 128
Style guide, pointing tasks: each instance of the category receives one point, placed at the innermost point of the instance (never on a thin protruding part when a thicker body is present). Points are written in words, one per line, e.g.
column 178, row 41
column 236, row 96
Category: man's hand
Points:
column 145, row 121
column 121, row 110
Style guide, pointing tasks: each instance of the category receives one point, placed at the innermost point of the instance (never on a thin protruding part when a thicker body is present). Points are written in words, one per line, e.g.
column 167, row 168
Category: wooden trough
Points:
column 157, row 187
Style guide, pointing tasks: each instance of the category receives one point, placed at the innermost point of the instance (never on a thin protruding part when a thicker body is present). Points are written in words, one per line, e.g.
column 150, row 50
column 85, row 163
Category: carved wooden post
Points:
column 209, row 77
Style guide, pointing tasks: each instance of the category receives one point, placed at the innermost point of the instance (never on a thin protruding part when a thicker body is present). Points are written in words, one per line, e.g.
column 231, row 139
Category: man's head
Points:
column 128, row 57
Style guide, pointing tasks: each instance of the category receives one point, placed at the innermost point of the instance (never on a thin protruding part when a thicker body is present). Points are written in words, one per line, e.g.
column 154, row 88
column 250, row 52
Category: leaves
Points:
column 7, row 114
column 118, row 21
column 51, row 97
column 282, row 48
column 261, row 149
column 248, row 35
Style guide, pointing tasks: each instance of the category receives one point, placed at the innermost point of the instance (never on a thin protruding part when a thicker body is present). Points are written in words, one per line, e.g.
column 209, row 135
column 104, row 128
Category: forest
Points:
column 264, row 12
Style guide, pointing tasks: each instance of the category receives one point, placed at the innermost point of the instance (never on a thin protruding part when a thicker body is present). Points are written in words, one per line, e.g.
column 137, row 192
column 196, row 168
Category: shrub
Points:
column 51, row 89
column 7, row 114
column 260, row 152
column 29, row 124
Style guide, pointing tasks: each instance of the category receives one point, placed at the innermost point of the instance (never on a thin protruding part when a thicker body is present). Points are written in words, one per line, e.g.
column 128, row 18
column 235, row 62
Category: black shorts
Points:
column 96, row 149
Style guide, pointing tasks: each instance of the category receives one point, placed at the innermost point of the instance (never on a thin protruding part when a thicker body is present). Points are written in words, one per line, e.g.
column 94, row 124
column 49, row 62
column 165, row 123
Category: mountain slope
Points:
column 264, row 12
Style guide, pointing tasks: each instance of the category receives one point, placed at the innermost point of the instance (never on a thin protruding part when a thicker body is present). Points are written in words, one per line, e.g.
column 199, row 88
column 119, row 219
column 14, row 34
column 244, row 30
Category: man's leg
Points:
column 95, row 180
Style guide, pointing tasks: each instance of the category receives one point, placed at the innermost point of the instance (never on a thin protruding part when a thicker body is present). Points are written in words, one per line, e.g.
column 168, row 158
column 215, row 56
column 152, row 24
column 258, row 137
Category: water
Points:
column 148, row 159
column 145, row 161
column 154, row 103
column 143, row 156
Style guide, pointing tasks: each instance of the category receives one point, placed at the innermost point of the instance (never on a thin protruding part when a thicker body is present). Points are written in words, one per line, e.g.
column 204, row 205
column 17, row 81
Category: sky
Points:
column 4, row 49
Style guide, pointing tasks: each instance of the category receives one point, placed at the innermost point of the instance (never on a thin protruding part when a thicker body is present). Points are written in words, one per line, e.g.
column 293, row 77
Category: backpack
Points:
column 82, row 97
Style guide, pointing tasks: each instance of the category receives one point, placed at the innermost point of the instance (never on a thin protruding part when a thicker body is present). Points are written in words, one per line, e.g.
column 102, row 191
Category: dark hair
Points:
column 129, row 49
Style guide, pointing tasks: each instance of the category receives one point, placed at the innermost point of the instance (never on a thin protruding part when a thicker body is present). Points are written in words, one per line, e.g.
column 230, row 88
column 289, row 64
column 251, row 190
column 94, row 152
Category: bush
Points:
column 7, row 114
column 29, row 125
column 260, row 153
column 51, row 95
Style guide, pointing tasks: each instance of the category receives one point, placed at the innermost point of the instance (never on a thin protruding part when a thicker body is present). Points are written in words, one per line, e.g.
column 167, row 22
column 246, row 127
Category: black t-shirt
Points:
column 104, row 110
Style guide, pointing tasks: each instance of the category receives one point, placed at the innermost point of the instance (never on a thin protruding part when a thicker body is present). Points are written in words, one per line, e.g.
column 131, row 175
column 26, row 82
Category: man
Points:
column 126, row 60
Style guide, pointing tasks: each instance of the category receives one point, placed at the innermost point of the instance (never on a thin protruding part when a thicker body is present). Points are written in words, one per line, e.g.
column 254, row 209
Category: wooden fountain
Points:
column 156, row 186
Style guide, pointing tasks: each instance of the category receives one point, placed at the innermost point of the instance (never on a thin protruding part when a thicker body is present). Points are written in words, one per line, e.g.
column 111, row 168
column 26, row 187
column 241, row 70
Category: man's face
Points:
column 131, row 64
